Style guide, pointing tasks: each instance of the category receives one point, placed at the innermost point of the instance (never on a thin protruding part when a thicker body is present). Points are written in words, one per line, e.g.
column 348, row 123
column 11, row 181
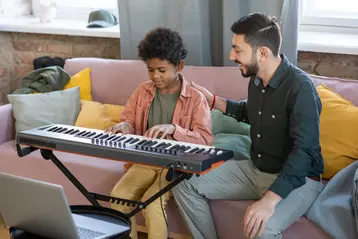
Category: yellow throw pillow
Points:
column 339, row 131
column 83, row 80
column 95, row 115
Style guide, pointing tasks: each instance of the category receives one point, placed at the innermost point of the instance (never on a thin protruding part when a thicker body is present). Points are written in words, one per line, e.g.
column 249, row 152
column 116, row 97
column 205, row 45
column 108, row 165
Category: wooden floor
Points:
column 4, row 233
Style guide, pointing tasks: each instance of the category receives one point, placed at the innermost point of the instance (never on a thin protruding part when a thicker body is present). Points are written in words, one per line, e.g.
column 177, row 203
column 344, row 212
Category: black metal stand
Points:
column 174, row 176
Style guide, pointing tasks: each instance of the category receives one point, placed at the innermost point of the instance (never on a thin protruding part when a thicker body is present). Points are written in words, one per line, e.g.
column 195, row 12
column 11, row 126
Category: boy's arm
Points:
column 200, row 132
column 128, row 113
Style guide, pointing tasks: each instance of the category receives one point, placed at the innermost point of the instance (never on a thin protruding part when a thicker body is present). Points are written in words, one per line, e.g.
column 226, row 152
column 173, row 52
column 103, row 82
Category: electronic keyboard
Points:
column 186, row 157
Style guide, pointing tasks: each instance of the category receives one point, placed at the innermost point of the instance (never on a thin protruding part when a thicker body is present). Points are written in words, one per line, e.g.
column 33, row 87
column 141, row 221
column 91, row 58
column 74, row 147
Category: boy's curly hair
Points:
column 162, row 43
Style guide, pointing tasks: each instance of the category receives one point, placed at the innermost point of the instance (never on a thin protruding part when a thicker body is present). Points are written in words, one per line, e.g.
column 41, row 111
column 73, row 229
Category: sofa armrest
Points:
column 7, row 126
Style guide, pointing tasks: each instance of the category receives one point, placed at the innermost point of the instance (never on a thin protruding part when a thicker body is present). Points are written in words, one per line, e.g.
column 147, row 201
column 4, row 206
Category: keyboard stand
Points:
column 174, row 176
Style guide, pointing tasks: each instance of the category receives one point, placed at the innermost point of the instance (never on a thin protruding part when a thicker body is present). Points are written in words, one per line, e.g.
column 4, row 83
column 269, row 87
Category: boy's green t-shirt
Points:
column 162, row 108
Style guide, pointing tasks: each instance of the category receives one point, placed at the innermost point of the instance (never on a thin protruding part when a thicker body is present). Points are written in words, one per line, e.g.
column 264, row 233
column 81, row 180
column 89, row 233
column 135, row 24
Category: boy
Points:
column 166, row 107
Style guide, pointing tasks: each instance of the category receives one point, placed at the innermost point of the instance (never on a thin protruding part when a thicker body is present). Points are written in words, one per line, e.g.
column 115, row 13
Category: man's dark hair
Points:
column 162, row 43
column 259, row 30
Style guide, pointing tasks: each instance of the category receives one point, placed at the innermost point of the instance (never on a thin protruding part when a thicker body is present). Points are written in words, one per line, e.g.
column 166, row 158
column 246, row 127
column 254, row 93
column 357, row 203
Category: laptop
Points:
column 42, row 209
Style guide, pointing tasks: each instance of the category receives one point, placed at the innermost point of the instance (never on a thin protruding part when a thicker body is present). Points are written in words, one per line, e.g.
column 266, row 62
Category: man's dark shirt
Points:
column 285, row 126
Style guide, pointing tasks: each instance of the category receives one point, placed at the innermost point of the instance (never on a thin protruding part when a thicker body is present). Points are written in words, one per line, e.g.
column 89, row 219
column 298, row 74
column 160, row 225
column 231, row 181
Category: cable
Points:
column 161, row 200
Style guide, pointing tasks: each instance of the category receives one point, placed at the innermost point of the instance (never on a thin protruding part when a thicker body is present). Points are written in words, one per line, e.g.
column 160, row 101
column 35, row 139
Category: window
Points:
column 333, row 13
column 80, row 9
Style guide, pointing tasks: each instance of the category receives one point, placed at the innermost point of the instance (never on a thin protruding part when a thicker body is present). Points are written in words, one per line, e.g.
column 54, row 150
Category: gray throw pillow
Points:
column 35, row 110
column 238, row 143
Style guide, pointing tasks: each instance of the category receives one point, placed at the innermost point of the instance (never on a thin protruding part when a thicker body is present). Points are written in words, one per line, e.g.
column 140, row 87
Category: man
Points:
column 283, row 109
column 165, row 106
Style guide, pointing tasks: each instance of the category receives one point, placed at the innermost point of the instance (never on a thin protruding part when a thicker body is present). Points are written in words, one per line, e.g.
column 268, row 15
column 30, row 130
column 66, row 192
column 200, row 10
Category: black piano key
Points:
column 68, row 131
column 159, row 145
column 62, row 130
column 146, row 143
column 184, row 149
column 82, row 133
column 135, row 140
column 128, row 140
column 45, row 127
column 181, row 148
column 98, row 135
column 86, row 134
column 58, row 129
column 120, row 139
column 193, row 150
column 174, row 147
column 115, row 138
column 111, row 138
column 52, row 129
column 104, row 136
column 152, row 143
column 166, row 146
column 142, row 142
column 91, row 134
column 75, row 132
column 200, row 151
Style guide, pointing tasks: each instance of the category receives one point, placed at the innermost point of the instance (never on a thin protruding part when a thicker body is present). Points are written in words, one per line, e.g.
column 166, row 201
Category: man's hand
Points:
column 122, row 127
column 208, row 95
column 161, row 130
column 259, row 213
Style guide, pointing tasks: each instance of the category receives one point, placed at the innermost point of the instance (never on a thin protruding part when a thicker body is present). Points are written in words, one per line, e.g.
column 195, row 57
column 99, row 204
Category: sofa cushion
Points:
column 95, row 115
column 83, row 80
column 35, row 110
column 238, row 143
column 339, row 131
column 225, row 124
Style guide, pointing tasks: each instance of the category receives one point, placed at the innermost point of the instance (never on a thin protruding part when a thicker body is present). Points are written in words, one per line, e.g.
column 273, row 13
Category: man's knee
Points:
column 272, row 230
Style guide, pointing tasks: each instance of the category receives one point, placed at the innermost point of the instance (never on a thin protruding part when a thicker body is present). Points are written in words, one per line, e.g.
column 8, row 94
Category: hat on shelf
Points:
column 101, row 18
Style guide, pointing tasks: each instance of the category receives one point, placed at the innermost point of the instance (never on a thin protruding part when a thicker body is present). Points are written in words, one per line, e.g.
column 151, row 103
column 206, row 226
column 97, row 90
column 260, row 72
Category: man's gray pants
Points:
column 239, row 180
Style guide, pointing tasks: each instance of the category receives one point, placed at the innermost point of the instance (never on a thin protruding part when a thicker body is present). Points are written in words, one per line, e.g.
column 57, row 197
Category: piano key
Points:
column 75, row 132
column 62, row 130
column 104, row 136
column 200, row 151
column 128, row 140
column 52, row 129
column 110, row 138
column 98, row 135
column 91, row 134
column 121, row 138
column 86, row 134
column 69, row 131
column 193, row 150
column 135, row 141
column 56, row 130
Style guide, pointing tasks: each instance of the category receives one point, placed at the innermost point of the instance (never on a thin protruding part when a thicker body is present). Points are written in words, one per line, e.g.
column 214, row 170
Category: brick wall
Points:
column 18, row 50
column 326, row 64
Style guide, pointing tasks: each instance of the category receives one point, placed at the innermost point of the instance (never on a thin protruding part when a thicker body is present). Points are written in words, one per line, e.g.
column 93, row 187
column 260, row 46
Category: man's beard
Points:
column 251, row 70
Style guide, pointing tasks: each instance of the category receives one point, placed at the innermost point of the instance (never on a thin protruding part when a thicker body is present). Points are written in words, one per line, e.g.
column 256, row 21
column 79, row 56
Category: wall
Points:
column 326, row 64
column 18, row 50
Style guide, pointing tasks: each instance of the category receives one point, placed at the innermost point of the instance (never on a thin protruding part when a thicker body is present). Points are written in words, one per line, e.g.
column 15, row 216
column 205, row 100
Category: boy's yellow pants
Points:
column 140, row 183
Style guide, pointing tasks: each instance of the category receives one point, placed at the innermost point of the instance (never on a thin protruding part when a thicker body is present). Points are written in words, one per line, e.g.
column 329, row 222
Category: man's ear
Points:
column 263, row 53
column 180, row 66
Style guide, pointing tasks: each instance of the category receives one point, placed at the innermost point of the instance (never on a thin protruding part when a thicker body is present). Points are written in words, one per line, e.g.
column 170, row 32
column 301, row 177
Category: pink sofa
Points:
column 112, row 82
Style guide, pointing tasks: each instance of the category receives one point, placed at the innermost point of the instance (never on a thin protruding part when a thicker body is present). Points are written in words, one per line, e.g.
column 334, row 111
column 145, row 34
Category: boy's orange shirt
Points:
column 191, row 115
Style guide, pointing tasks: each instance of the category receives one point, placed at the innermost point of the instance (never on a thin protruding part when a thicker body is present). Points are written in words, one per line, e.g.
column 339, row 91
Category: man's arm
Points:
column 231, row 108
column 237, row 110
column 304, row 129
column 200, row 132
